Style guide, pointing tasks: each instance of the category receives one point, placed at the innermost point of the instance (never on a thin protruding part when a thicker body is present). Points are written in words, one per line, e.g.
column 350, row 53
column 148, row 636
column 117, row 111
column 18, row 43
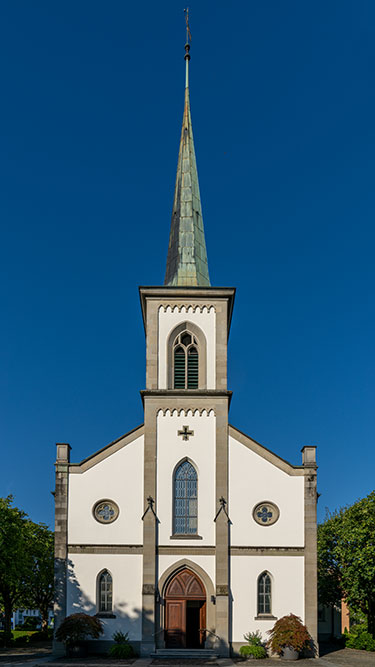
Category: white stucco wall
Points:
column 126, row 571
column 253, row 480
column 205, row 319
column 287, row 576
column 200, row 449
column 207, row 563
column 120, row 478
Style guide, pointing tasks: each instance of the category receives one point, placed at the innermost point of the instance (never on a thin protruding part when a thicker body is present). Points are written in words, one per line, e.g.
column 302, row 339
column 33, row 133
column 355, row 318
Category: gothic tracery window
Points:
column 185, row 520
column 105, row 592
column 186, row 361
column 264, row 593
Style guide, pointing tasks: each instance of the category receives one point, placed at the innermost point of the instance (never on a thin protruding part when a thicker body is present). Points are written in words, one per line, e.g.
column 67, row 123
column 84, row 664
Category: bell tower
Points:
column 186, row 399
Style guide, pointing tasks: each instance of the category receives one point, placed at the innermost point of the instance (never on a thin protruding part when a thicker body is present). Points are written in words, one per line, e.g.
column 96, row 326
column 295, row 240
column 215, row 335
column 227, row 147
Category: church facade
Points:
column 185, row 532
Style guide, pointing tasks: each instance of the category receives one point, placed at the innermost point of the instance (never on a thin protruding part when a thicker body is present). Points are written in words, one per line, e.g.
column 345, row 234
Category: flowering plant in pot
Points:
column 288, row 637
column 75, row 629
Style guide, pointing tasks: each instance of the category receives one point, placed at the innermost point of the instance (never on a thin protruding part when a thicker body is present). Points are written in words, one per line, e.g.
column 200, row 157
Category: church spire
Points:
column 187, row 255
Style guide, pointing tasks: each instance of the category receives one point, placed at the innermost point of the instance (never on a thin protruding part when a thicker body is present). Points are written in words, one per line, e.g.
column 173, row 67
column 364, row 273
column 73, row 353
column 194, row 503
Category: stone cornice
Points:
column 183, row 293
column 182, row 394
column 177, row 550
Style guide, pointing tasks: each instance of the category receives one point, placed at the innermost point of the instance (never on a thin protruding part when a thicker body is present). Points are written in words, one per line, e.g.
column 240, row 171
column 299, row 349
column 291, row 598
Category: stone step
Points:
column 184, row 653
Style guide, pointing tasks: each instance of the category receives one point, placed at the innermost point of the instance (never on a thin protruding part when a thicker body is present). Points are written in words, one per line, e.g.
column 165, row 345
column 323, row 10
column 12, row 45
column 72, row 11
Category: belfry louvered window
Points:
column 186, row 361
column 264, row 593
column 185, row 520
column 105, row 591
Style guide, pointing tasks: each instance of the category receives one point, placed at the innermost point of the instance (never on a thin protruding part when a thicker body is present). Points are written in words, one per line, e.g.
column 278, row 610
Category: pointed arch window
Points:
column 264, row 594
column 186, row 361
column 105, row 592
column 185, row 483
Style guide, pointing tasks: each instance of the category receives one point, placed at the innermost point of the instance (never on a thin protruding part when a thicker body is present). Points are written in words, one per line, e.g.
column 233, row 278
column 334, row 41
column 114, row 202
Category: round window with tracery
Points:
column 266, row 513
column 106, row 511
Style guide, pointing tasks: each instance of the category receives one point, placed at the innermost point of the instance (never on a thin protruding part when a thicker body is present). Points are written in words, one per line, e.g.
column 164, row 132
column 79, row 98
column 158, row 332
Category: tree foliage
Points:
column 346, row 554
column 38, row 592
column 26, row 563
column 329, row 572
column 13, row 559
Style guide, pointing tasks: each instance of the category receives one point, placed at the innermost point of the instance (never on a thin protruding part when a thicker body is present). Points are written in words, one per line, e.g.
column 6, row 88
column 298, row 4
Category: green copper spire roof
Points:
column 187, row 255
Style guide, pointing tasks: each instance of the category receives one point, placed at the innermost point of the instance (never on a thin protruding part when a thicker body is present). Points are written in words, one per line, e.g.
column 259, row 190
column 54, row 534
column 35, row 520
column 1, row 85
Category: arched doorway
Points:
column 185, row 611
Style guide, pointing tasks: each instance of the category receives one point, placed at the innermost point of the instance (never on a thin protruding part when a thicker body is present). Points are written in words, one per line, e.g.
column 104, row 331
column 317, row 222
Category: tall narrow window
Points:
column 192, row 368
column 186, row 361
column 179, row 368
column 185, row 500
column 105, row 591
column 264, row 593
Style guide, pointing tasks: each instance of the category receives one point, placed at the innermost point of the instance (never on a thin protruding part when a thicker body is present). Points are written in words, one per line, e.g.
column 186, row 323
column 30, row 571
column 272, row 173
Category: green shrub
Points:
column 120, row 638
column 21, row 637
column 122, row 648
column 359, row 638
column 77, row 627
column 254, row 638
column 39, row 636
column 121, row 651
column 31, row 623
column 254, row 651
column 20, row 641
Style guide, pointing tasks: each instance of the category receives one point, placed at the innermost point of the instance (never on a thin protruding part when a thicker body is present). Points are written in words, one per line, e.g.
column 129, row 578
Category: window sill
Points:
column 186, row 537
column 105, row 614
column 265, row 617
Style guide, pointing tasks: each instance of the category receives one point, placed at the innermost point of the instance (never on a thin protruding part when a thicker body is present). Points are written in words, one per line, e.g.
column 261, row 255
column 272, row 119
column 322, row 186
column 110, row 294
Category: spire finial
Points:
column 188, row 33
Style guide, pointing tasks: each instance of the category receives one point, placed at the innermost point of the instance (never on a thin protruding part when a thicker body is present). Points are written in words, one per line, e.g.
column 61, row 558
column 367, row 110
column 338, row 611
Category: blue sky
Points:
column 283, row 108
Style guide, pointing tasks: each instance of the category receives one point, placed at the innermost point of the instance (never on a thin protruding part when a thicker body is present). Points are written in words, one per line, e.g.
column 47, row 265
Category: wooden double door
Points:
column 185, row 611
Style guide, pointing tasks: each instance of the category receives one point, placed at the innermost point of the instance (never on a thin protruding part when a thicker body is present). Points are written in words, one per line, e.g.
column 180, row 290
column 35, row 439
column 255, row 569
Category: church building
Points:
column 185, row 532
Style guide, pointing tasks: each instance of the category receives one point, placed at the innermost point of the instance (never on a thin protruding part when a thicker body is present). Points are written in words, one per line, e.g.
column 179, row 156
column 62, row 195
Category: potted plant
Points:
column 288, row 637
column 75, row 629
column 254, row 648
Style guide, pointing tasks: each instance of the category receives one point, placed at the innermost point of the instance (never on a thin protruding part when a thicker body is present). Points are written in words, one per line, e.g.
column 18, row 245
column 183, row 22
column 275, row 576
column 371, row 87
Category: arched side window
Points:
column 264, row 594
column 186, row 361
column 185, row 500
column 105, row 592
column 186, row 351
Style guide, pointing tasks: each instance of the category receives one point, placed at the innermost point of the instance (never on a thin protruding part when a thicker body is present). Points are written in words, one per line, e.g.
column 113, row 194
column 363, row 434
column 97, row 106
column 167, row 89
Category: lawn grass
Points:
column 23, row 633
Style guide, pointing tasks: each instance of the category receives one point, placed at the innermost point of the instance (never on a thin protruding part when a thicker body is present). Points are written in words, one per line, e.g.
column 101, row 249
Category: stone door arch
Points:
column 185, row 611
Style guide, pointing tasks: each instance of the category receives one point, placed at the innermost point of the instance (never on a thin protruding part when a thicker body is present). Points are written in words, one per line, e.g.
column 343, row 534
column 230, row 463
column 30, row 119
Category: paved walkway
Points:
column 336, row 658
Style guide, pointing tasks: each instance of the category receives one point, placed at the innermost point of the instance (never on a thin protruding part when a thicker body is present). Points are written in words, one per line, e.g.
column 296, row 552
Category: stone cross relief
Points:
column 185, row 433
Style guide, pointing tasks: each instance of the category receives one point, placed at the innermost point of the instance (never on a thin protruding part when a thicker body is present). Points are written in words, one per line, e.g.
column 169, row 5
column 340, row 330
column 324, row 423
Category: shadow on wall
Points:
column 123, row 618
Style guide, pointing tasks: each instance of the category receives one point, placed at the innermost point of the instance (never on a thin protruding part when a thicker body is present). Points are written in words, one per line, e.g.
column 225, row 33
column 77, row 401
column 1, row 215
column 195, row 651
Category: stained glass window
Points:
column 266, row 513
column 185, row 500
column 106, row 511
column 105, row 591
column 264, row 594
